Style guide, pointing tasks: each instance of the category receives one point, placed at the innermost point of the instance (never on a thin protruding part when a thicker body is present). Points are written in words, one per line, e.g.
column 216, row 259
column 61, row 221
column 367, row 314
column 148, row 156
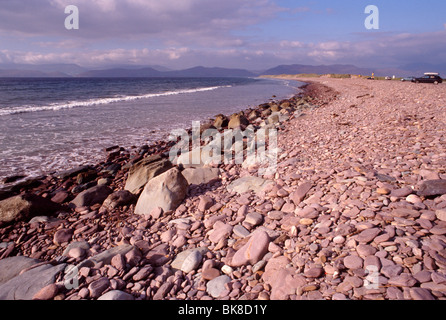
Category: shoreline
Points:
column 352, row 198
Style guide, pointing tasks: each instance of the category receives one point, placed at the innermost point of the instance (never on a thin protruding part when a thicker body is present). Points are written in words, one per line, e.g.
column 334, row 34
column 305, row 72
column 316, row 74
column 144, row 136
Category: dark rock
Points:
column 94, row 195
column 26, row 206
column 432, row 188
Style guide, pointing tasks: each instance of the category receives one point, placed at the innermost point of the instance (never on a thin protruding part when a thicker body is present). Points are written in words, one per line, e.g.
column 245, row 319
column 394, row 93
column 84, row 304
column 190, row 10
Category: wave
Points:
column 99, row 101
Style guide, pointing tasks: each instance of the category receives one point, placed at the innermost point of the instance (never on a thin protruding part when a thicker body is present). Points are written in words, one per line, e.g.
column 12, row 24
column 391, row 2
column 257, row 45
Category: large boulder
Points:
column 166, row 191
column 237, row 121
column 11, row 267
column 145, row 170
column 91, row 196
column 220, row 121
column 26, row 285
column 26, row 206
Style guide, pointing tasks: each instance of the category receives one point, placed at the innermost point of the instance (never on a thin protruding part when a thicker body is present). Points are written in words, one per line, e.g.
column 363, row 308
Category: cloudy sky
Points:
column 252, row 34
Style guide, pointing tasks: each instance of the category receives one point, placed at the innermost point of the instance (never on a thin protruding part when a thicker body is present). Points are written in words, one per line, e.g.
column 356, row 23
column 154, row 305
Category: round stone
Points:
column 353, row 262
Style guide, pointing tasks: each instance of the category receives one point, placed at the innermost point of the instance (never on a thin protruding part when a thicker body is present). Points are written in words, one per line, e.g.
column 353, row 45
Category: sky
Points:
column 249, row 34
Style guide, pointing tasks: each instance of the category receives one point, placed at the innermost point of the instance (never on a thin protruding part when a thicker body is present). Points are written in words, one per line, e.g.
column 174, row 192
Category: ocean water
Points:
column 48, row 125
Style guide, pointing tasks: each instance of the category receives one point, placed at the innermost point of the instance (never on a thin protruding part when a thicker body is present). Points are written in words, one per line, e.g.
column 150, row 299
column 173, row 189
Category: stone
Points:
column 145, row 170
column 47, row 293
column 60, row 197
column 220, row 231
column 249, row 183
column 97, row 287
column 368, row 235
column 118, row 261
column 105, row 256
column 91, row 196
column 118, row 199
column 253, row 251
column 431, row 188
column 63, row 236
column 353, row 262
column 205, row 203
column 166, row 191
column 189, row 260
column 217, row 285
column 421, row 294
column 197, row 176
column 254, row 218
column 84, row 245
column 405, row 213
column 441, row 214
column 26, row 206
column 116, row 295
column 210, row 273
column 143, row 273
column 220, row 121
column 236, row 120
column 29, row 283
column 401, row 193
column 314, row 272
column 11, row 267
column 403, row 280
column 163, row 290
column 76, row 253
column 299, row 194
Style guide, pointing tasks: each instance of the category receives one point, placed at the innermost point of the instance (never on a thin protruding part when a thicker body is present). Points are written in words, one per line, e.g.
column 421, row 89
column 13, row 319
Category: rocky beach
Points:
column 355, row 210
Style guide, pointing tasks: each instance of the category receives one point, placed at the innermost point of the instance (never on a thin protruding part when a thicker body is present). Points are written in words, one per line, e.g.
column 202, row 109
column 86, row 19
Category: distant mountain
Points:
column 122, row 73
column 210, row 72
column 58, row 68
column 151, row 72
column 31, row 74
column 131, row 71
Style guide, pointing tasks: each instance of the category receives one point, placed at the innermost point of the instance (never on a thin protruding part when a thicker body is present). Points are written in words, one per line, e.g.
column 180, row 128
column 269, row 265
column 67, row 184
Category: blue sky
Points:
column 253, row 34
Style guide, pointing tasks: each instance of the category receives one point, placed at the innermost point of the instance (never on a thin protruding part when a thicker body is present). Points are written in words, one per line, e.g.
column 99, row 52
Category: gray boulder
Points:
column 145, row 170
column 26, row 285
column 166, row 191
column 11, row 267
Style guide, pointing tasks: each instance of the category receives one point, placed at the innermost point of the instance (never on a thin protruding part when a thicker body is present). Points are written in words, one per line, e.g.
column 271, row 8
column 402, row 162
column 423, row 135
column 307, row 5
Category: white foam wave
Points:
column 99, row 101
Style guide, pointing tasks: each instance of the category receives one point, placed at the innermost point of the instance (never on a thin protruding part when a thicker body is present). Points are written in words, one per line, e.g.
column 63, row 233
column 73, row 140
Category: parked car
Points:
column 429, row 78
column 407, row 79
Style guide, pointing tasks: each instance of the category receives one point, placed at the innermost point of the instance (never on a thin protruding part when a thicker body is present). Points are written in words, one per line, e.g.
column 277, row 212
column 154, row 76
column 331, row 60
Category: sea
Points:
column 52, row 124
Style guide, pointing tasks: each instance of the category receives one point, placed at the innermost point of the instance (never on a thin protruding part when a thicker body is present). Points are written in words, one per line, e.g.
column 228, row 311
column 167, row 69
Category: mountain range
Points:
column 73, row 70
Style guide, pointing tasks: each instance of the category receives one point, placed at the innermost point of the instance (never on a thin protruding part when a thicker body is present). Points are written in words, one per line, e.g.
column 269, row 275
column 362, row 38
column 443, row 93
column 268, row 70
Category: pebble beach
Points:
column 356, row 210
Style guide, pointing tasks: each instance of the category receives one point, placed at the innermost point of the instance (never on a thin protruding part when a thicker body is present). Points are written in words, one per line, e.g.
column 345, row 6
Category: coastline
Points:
column 347, row 199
